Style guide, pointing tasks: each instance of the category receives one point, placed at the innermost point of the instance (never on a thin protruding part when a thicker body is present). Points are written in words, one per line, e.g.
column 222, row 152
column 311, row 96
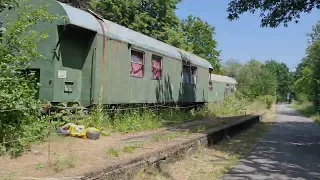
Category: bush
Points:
column 302, row 98
column 230, row 106
column 269, row 100
column 20, row 121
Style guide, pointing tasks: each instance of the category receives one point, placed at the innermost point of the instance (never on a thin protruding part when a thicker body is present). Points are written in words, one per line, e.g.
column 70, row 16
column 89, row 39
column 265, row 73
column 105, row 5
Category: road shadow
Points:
column 290, row 150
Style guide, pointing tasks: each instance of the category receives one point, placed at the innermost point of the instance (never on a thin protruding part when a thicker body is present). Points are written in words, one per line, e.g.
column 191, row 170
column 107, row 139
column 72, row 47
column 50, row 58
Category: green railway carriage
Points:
column 87, row 56
column 220, row 87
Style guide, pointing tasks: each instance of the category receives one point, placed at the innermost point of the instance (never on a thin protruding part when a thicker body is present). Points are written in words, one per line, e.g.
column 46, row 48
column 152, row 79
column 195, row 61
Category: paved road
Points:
column 291, row 150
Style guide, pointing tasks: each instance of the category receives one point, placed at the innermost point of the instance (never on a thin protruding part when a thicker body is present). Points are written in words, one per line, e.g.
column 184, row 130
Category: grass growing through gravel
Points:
column 112, row 152
column 307, row 109
column 64, row 162
column 213, row 162
column 131, row 148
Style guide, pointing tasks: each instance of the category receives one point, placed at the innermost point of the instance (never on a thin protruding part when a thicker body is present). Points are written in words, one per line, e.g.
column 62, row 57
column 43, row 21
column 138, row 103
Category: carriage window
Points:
column 194, row 74
column 210, row 81
column 137, row 64
column 156, row 67
column 186, row 74
column 210, row 86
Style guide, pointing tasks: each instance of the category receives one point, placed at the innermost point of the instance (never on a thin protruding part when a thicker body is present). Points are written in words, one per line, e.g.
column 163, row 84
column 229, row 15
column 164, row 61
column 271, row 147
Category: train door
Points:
column 75, row 55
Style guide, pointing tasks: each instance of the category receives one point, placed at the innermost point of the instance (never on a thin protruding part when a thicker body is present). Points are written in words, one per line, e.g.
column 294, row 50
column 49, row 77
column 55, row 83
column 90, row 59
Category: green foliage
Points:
column 315, row 34
column 20, row 121
column 307, row 76
column 131, row 148
column 134, row 121
column 307, row 109
column 284, row 78
column 253, row 78
column 230, row 106
column 113, row 152
column 232, row 68
column 240, row 105
column 155, row 18
column 199, row 37
column 63, row 163
column 269, row 100
column 272, row 12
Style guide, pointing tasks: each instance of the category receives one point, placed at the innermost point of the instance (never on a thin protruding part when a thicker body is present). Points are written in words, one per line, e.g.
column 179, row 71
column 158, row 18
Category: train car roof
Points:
column 115, row 31
column 220, row 78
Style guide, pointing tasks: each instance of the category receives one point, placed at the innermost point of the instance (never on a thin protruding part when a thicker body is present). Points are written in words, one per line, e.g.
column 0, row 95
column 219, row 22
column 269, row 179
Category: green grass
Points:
column 131, row 148
column 63, row 163
column 38, row 167
column 166, row 137
column 148, row 119
column 112, row 152
column 307, row 109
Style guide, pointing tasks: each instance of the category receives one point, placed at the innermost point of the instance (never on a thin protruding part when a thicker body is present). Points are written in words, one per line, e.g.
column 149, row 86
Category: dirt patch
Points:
column 71, row 157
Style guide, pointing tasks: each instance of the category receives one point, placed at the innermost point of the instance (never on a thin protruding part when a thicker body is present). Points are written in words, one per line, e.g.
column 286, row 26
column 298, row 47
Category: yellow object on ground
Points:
column 76, row 130
column 79, row 130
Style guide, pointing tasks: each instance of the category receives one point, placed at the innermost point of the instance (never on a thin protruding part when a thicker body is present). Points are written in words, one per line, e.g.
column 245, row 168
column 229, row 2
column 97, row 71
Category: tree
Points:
column 199, row 36
column 232, row 68
column 19, row 108
column 307, row 75
column 303, row 85
column 265, row 84
column 284, row 78
column 315, row 34
column 314, row 63
column 253, row 78
column 272, row 12
column 154, row 18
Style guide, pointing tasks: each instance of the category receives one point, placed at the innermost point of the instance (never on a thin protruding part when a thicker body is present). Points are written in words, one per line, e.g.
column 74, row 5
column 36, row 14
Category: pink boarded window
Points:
column 137, row 64
column 156, row 62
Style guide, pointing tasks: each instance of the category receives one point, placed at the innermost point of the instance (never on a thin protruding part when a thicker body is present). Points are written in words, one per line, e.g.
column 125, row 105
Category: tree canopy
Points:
column 198, row 36
column 272, row 12
column 284, row 78
column 253, row 78
column 307, row 75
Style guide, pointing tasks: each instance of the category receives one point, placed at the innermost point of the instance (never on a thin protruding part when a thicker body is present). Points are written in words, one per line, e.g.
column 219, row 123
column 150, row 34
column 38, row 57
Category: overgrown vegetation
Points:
column 257, row 79
column 240, row 105
column 113, row 152
column 64, row 162
column 307, row 109
column 20, row 121
column 307, row 76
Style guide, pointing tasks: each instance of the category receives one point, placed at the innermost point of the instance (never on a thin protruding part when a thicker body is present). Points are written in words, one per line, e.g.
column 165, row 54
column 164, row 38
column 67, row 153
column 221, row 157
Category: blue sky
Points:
column 244, row 39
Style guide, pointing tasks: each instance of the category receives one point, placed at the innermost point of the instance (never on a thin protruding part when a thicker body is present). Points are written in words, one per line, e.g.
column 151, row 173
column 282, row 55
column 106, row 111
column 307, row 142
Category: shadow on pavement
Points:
column 291, row 150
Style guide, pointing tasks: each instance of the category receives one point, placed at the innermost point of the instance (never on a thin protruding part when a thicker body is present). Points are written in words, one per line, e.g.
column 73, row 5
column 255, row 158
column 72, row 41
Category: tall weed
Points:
column 133, row 121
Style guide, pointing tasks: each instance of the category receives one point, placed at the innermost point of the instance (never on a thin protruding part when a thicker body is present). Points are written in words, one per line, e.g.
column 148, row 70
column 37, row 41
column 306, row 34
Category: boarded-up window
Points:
column 194, row 74
column 156, row 67
column 232, row 89
column 186, row 74
column 137, row 64
column 210, row 86
column 210, row 81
